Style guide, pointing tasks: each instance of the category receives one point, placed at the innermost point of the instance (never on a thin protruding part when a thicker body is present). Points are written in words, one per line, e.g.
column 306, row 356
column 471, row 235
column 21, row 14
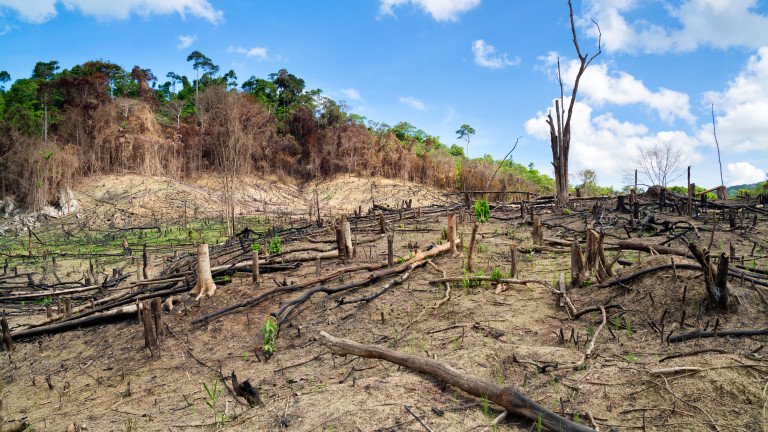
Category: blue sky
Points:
column 441, row 63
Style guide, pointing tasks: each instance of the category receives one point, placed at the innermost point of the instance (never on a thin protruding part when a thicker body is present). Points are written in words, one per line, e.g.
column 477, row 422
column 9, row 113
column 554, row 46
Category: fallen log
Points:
column 111, row 315
column 510, row 398
column 645, row 247
column 708, row 334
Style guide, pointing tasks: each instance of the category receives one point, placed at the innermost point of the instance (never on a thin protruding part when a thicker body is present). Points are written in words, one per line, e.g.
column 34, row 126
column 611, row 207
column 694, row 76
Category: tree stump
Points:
column 470, row 259
column 715, row 279
column 452, row 232
column 537, row 232
column 382, row 224
column 346, row 235
column 593, row 251
column 6, row 333
column 255, row 267
column 578, row 273
column 157, row 315
column 513, row 265
column 204, row 286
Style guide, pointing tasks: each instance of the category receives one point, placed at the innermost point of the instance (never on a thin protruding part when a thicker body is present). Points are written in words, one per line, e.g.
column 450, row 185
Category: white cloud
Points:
column 744, row 173
column 413, row 103
column 716, row 23
column 186, row 41
column 607, row 145
column 40, row 11
column 351, row 94
column 31, row 11
column 6, row 28
column 743, row 108
column 259, row 52
column 441, row 10
column 485, row 55
column 600, row 86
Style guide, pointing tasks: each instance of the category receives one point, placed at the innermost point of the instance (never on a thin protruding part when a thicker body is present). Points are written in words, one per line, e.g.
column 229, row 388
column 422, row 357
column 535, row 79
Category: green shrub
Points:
column 482, row 211
column 270, row 335
column 275, row 245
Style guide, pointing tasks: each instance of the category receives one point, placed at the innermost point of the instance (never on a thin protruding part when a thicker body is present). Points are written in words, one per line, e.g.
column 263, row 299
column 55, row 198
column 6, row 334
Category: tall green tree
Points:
column 465, row 132
column 289, row 88
column 4, row 78
column 43, row 73
column 22, row 106
column 199, row 61
column 174, row 78
column 265, row 91
column 230, row 79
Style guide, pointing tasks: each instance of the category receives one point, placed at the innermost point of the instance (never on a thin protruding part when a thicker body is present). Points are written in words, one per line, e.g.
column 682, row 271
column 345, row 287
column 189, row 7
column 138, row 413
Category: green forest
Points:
column 98, row 118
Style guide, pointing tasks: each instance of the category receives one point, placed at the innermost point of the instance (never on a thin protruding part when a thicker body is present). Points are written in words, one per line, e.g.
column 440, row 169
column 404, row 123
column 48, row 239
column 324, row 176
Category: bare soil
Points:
column 104, row 379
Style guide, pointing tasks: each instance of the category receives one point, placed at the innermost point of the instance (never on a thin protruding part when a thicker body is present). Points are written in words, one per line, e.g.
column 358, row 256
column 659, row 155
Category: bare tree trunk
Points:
column 560, row 132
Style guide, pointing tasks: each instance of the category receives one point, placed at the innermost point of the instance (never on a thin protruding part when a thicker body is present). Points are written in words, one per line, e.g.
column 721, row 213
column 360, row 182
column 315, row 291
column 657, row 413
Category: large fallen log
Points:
column 111, row 315
column 510, row 398
column 645, row 247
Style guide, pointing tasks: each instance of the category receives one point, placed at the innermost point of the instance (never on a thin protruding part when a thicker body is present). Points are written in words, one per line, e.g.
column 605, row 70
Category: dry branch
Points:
column 407, row 267
column 510, row 398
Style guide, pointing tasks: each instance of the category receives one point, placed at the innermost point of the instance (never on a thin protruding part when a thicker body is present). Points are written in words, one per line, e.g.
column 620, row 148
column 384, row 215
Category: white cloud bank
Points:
column 607, row 145
column 744, row 173
column 413, row 103
column 186, row 41
column 600, row 86
column 259, row 52
column 742, row 124
column 441, row 10
column 716, row 23
column 485, row 55
column 351, row 94
column 40, row 11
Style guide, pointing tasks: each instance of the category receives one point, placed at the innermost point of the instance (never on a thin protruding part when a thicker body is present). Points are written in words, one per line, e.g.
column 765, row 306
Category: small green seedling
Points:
column 270, row 335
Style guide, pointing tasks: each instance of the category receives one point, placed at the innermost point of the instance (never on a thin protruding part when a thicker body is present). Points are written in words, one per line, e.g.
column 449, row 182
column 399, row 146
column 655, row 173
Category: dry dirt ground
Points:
column 103, row 379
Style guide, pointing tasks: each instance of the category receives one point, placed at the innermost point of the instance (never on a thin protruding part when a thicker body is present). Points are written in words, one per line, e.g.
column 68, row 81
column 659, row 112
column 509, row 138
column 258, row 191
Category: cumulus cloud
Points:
column 186, row 41
column 441, row 10
column 40, row 11
column 600, row 86
column 742, row 109
column 744, row 173
column 485, row 55
column 259, row 52
column 413, row 103
column 607, row 145
column 351, row 94
column 715, row 23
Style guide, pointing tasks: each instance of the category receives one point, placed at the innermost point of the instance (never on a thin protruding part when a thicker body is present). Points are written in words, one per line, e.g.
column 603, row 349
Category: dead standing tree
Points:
column 560, row 128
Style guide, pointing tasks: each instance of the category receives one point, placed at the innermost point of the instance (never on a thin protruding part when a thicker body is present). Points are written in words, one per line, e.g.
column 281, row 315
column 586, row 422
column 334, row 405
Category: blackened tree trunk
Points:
column 560, row 127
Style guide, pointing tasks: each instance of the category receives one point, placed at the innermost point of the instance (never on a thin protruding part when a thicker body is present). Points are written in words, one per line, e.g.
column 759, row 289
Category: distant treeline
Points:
column 58, row 125
column 747, row 189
